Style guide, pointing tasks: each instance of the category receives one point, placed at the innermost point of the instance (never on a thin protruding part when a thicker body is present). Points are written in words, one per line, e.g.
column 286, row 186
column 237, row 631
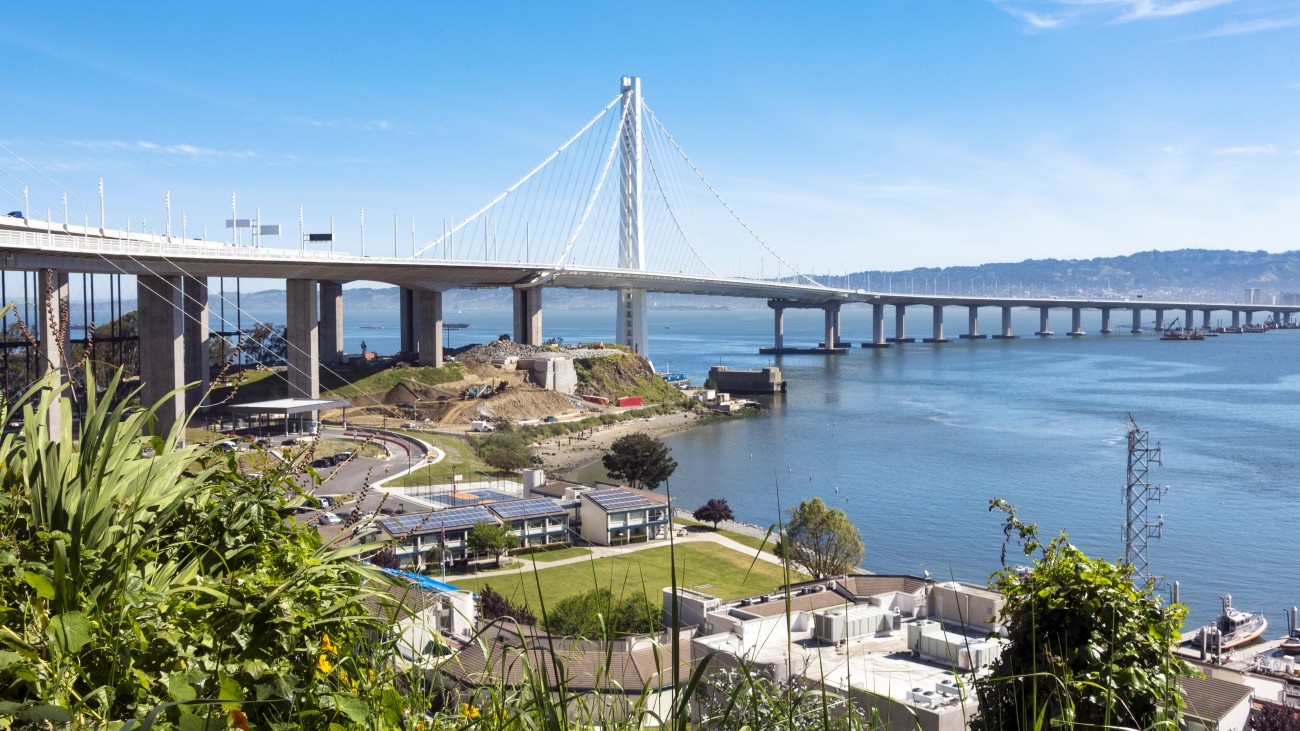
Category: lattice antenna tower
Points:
column 1138, row 496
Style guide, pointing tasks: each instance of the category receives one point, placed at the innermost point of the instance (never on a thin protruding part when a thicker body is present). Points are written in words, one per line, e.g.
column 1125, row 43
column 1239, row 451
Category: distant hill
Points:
column 1194, row 274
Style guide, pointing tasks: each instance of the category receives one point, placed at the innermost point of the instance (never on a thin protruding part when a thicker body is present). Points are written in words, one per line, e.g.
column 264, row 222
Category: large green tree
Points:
column 639, row 459
column 598, row 613
column 493, row 538
column 821, row 539
column 1086, row 647
column 505, row 450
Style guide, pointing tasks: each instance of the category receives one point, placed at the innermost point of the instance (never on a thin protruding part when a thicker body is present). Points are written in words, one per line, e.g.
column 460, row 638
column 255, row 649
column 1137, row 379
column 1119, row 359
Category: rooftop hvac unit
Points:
column 948, row 687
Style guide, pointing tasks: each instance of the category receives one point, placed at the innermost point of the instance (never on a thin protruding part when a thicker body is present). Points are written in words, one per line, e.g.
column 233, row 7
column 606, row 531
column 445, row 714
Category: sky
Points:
column 875, row 134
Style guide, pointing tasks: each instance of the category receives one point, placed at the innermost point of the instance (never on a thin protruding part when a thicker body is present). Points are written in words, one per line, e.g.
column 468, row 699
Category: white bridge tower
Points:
column 631, row 326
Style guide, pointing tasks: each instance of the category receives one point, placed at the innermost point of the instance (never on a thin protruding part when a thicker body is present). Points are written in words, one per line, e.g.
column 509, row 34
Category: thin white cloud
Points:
column 1143, row 9
column 180, row 149
column 1247, row 150
column 1039, row 15
column 373, row 125
column 1252, row 26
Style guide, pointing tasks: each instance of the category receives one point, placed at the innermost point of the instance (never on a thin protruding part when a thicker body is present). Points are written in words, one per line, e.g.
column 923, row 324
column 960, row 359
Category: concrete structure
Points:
column 52, row 332
column 302, row 334
column 556, row 373
column 538, row 521
column 331, row 323
column 162, row 361
column 765, row 380
column 621, row 515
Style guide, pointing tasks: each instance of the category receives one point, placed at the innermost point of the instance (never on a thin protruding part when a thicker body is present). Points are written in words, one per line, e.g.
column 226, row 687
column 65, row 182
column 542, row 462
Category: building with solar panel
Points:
column 538, row 521
column 621, row 515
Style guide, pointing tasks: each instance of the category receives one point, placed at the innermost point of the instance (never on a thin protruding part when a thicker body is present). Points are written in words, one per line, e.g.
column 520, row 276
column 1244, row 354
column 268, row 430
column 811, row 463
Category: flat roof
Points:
column 289, row 406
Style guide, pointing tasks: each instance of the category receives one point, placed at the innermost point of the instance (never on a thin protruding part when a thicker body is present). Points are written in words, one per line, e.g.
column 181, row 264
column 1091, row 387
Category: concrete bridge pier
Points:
column 835, row 336
column 937, row 336
column 161, row 311
column 54, row 338
column 972, row 324
column 1250, row 317
column 1160, row 320
column 331, row 323
column 1076, row 322
column 1006, row 326
column 1236, row 318
column 900, row 326
column 1205, row 319
column 1277, row 317
column 406, row 323
column 528, row 315
column 778, row 336
column 1105, row 321
column 1189, row 319
column 877, row 327
column 429, row 324
column 631, row 325
column 1137, row 322
column 1043, row 332
column 197, row 341
column 303, row 334
column 828, row 325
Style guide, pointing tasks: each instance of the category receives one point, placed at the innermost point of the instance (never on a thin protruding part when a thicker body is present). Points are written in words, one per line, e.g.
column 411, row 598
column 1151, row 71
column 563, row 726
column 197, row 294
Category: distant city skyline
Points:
column 877, row 135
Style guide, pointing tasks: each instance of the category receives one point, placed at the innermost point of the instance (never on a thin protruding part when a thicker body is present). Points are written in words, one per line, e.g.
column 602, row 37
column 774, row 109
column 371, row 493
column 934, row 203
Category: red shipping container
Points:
column 630, row 401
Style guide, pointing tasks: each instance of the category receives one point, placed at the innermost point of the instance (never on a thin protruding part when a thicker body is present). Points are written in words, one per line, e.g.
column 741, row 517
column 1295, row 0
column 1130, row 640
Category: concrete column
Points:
column 198, row 341
column 778, row 334
column 828, row 324
column 630, row 325
column 1076, row 322
column 407, row 324
column 973, row 323
column 1137, row 322
column 937, row 336
column 162, row 355
column 528, row 316
column 303, row 334
column 900, row 325
column 1236, row 318
column 1277, row 318
column 331, row 322
column 1105, row 321
column 429, row 316
column 1160, row 319
column 837, row 324
column 1042, row 322
column 1006, row 326
column 1205, row 319
column 877, row 327
column 1189, row 317
column 54, row 338
column 1250, row 317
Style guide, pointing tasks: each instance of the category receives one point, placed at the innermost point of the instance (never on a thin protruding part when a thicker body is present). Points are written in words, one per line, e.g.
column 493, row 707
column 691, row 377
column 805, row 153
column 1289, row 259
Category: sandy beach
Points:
column 562, row 455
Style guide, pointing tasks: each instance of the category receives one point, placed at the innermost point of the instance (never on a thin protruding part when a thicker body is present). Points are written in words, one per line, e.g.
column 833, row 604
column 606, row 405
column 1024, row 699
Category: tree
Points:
column 714, row 511
column 640, row 459
column 1086, row 647
column 1274, row 717
column 493, row 538
column 505, row 450
column 822, row 539
column 492, row 605
column 598, row 613
column 268, row 345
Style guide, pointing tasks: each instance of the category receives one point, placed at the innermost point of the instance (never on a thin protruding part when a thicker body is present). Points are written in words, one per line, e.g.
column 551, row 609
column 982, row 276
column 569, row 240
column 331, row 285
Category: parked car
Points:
column 226, row 445
column 342, row 457
column 330, row 519
column 323, row 462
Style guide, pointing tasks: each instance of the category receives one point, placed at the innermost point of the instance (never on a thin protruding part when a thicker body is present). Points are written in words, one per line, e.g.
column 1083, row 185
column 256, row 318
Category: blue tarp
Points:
column 424, row 581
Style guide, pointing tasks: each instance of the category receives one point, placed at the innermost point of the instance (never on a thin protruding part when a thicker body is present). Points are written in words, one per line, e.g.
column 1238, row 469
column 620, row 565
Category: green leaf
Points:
column 8, row 658
column 230, row 691
column 354, row 707
column 70, row 631
column 50, row 713
column 180, row 689
column 42, row 584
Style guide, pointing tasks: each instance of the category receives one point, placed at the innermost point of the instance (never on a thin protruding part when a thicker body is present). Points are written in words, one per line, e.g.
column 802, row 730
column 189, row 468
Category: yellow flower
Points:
column 323, row 664
column 326, row 645
column 468, row 711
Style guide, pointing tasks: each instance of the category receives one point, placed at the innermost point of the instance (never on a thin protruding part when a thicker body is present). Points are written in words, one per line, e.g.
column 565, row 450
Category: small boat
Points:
column 372, row 327
column 1233, row 627
column 455, row 325
column 1177, row 332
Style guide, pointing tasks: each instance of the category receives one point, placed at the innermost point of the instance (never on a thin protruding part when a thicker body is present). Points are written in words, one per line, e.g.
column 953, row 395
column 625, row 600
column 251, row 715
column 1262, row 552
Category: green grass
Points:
column 558, row 554
column 460, row 460
column 384, row 380
column 728, row 572
column 754, row 542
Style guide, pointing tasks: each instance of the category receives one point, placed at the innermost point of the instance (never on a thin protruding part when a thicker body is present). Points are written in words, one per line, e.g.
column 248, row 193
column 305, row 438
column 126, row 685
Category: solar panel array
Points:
column 441, row 520
column 620, row 499
column 515, row 509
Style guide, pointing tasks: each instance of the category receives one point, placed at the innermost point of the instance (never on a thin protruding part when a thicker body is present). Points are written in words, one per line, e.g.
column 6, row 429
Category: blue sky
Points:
column 861, row 135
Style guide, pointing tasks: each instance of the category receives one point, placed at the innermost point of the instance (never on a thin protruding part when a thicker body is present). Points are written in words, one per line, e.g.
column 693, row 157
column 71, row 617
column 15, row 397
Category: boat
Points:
column 1177, row 332
column 1291, row 643
column 1232, row 628
column 455, row 325
column 372, row 327
column 1254, row 329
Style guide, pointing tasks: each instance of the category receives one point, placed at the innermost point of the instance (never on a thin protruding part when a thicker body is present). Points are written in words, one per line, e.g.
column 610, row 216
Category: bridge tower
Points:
column 631, row 325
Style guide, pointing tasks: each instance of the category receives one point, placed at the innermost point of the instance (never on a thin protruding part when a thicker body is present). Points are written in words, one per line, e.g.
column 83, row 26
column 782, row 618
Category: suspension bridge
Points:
column 619, row 206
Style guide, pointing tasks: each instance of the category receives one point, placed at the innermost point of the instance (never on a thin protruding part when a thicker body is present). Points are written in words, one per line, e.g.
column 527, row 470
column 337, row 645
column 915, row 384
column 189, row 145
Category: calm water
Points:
column 913, row 441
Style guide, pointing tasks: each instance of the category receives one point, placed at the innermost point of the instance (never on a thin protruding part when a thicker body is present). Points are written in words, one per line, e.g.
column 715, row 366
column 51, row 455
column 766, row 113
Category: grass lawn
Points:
column 460, row 460
column 728, row 572
column 754, row 542
column 558, row 554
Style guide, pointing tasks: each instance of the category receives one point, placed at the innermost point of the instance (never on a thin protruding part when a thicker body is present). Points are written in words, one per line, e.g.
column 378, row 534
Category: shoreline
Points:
column 562, row 456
